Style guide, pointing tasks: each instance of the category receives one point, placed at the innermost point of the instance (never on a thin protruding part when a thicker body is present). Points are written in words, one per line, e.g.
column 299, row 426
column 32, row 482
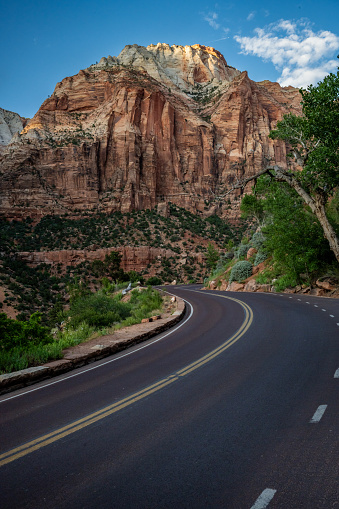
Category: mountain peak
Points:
column 184, row 67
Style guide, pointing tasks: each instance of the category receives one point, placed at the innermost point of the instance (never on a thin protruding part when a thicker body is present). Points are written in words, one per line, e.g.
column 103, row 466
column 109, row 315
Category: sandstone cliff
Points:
column 155, row 124
column 10, row 124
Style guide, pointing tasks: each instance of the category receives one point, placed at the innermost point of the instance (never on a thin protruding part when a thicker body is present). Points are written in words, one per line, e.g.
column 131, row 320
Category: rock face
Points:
column 133, row 258
column 10, row 124
column 153, row 125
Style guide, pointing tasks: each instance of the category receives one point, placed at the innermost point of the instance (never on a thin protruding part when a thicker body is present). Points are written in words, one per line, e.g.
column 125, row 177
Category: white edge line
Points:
column 318, row 414
column 264, row 499
column 107, row 362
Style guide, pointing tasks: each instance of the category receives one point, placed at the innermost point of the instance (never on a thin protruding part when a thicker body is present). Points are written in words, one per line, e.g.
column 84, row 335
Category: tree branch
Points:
column 241, row 184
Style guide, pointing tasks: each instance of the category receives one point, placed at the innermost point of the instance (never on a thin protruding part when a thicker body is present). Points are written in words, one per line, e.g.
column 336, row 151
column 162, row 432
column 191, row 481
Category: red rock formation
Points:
column 133, row 258
column 156, row 124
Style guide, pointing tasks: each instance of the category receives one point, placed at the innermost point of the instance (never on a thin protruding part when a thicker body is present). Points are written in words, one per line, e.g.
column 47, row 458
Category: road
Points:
column 235, row 409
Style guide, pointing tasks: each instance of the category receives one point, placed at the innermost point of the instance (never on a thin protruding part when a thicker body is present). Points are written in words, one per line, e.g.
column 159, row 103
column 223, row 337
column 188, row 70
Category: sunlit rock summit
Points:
column 10, row 124
column 156, row 124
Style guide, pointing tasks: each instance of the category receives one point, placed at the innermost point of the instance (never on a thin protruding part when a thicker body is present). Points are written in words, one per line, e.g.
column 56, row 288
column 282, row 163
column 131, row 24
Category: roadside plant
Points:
column 241, row 271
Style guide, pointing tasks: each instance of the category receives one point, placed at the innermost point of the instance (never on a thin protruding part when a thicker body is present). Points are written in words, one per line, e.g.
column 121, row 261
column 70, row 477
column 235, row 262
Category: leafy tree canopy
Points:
column 314, row 137
column 313, row 168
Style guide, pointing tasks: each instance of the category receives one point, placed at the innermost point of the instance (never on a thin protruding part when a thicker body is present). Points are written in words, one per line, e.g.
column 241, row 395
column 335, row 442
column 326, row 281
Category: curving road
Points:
column 236, row 408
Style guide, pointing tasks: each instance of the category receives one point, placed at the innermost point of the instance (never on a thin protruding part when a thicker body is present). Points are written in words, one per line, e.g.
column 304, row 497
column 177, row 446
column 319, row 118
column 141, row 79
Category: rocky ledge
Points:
column 326, row 287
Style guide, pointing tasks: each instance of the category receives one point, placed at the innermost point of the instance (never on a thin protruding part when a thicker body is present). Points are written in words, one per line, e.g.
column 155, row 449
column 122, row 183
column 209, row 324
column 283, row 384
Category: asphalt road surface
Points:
column 236, row 408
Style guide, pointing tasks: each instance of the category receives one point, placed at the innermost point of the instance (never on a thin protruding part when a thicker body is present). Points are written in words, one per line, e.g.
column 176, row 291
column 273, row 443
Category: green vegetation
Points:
column 297, row 209
column 84, row 295
column 313, row 171
column 17, row 333
column 144, row 227
column 28, row 343
column 68, row 136
column 204, row 95
column 212, row 256
column 241, row 271
column 290, row 235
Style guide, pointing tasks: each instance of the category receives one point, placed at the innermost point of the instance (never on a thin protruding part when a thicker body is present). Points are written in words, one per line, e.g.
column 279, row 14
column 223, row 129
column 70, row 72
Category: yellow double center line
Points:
column 40, row 442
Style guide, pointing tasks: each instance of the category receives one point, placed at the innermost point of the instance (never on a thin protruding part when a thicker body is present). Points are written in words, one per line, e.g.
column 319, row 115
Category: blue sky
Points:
column 293, row 42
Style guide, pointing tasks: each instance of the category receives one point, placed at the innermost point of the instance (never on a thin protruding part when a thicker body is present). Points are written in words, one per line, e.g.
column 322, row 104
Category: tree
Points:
column 212, row 256
column 252, row 207
column 313, row 163
column 112, row 266
column 291, row 232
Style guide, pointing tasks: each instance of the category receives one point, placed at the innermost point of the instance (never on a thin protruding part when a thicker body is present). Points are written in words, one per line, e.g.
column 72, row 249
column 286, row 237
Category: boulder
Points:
column 251, row 286
column 264, row 288
column 325, row 285
column 235, row 287
column 251, row 252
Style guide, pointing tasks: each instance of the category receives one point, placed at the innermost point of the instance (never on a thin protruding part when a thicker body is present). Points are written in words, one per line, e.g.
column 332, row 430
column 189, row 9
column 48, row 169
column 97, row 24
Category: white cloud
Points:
column 250, row 16
column 301, row 55
column 211, row 19
column 304, row 76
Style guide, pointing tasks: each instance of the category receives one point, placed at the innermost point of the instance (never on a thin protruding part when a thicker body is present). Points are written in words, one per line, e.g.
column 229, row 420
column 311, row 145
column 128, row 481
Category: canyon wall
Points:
column 10, row 124
column 156, row 124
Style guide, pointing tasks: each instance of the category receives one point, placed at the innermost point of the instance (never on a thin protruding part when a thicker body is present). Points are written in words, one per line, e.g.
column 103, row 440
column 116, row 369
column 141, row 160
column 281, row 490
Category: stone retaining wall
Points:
column 91, row 351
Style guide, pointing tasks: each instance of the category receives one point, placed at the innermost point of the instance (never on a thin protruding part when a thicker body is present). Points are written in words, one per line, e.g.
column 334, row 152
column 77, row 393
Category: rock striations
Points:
column 155, row 124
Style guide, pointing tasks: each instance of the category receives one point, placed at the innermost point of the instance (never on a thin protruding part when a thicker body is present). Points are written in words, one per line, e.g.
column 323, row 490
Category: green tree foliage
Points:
column 314, row 142
column 112, row 266
column 313, row 169
column 98, row 310
column 212, row 256
column 78, row 289
column 252, row 207
column 154, row 281
column 16, row 333
column 291, row 233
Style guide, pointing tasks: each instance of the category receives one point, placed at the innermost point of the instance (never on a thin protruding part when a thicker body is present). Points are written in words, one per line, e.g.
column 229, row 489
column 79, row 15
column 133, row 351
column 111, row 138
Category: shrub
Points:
column 240, row 271
column 154, row 280
column 241, row 251
column 98, row 310
column 257, row 240
column 285, row 281
column 261, row 256
column 16, row 333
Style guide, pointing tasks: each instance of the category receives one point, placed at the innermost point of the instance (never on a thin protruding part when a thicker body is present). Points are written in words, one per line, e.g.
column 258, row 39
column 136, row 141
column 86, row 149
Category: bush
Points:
column 240, row 271
column 241, row 250
column 285, row 281
column 98, row 310
column 261, row 256
column 154, row 280
column 16, row 333
column 257, row 240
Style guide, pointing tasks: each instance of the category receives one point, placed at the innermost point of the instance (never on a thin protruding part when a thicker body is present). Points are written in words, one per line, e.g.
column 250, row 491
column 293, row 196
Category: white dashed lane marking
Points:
column 318, row 414
column 264, row 499
column 336, row 374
